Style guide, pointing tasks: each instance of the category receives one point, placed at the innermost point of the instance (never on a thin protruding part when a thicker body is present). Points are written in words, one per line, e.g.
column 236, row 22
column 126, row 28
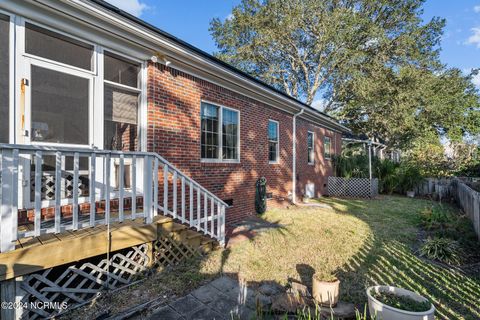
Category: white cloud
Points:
column 476, row 9
column 134, row 7
column 475, row 37
column 229, row 17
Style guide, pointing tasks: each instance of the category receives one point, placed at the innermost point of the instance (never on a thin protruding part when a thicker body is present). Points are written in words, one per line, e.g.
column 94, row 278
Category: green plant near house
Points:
column 442, row 249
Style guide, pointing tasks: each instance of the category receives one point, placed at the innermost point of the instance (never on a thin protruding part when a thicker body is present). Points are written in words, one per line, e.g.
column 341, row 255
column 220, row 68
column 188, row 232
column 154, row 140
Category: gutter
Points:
column 294, row 160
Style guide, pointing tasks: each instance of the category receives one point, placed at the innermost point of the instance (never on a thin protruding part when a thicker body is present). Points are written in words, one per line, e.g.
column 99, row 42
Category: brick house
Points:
column 83, row 74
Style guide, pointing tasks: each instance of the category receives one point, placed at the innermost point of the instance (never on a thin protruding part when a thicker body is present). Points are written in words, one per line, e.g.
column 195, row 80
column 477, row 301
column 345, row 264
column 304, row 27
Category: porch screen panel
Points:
column 4, row 77
column 59, row 107
column 209, row 139
column 51, row 45
column 230, row 134
column 121, row 71
column 121, row 119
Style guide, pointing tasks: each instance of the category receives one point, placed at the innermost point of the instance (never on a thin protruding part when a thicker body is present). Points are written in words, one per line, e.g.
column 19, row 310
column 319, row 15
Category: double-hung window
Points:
column 273, row 145
column 121, row 100
column 311, row 147
column 220, row 132
column 327, row 145
column 4, row 77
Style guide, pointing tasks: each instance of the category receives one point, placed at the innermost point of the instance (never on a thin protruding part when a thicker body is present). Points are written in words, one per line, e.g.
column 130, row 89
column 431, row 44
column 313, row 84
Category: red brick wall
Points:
column 174, row 100
column 319, row 172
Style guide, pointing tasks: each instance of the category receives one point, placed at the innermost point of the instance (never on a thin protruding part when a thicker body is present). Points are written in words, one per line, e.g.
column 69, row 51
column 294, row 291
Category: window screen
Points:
column 4, row 77
column 230, row 134
column 311, row 154
column 121, row 119
column 59, row 107
column 209, row 139
column 121, row 71
column 272, row 141
column 51, row 45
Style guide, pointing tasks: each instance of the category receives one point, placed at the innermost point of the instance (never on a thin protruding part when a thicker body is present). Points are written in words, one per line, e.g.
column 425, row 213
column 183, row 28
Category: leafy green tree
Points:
column 303, row 46
column 374, row 61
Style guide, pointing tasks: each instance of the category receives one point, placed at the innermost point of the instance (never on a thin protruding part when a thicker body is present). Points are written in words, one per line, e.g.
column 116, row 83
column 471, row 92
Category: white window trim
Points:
column 219, row 159
column 325, row 150
column 11, row 75
column 313, row 148
column 278, row 143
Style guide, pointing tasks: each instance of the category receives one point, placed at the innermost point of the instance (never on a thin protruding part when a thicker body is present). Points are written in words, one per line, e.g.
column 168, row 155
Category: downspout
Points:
column 294, row 164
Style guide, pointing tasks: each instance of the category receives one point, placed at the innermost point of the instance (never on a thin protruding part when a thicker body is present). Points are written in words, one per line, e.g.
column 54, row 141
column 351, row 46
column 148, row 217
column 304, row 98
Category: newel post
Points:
column 8, row 199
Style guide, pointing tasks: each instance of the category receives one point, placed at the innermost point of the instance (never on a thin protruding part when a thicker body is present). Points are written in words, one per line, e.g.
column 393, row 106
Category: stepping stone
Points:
column 224, row 306
column 343, row 310
column 165, row 313
column 207, row 293
column 187, row 304
column 224, row 283
column 205, row 314
column 270, row 289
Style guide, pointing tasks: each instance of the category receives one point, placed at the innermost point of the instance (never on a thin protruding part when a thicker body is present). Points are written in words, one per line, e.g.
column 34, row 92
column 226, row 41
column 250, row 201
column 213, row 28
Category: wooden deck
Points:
column 49, row 250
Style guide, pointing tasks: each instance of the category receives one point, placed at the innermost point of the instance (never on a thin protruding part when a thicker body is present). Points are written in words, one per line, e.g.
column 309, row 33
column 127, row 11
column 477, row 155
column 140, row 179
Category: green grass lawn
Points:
column 364, row 242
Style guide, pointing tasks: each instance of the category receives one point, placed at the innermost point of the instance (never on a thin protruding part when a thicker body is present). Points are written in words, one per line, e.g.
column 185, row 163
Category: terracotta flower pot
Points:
column 325, row 293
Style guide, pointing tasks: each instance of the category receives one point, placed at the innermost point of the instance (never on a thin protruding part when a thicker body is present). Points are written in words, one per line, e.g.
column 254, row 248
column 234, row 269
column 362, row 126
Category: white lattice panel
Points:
column 77, row 284
column 352, row 187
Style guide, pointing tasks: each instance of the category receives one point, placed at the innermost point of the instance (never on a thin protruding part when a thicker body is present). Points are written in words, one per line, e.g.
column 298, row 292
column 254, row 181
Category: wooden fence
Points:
column 457, row 189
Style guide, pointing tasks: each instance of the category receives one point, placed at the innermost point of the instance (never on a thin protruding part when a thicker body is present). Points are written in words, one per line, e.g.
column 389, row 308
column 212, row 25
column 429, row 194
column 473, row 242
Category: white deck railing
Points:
column 38, row 181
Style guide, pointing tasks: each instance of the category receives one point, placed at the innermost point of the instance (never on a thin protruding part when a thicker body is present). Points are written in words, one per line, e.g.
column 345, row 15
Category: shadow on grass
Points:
column 387, row 258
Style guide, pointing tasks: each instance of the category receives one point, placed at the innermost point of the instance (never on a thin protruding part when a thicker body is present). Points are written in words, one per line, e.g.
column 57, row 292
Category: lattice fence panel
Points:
column 168, row 251
column 78, row 284
column 352, row 187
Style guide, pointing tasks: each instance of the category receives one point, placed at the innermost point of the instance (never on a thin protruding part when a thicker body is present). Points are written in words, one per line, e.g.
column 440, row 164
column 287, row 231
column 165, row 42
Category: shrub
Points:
column 436, row 218
column 442, row 249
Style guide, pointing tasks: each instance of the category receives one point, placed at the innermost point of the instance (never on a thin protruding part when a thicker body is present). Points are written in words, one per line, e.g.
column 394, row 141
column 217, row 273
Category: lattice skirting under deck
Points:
column 77, row 284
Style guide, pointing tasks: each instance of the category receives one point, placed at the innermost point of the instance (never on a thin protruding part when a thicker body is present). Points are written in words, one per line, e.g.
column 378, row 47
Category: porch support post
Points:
column 9, row 197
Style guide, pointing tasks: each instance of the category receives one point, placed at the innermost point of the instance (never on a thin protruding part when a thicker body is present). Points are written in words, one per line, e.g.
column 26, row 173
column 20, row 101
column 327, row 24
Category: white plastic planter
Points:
column 386, row 312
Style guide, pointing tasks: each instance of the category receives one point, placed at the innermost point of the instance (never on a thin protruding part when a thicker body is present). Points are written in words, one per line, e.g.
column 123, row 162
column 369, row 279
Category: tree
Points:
column 374, row 61
column 306, row 46
column 410, row 104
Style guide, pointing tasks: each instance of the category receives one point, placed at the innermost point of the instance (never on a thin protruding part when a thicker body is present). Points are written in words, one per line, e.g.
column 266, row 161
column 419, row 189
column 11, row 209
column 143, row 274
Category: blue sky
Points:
column 189, row 20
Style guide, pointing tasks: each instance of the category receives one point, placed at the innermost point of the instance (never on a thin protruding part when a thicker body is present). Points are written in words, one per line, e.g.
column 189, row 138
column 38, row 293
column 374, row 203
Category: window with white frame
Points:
column 60, row 94
column 273, row 145
column 311, row 147
column 64, row 99
column 327, row 146
column 4, row 77
column 219, row 133
column 121, row 100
